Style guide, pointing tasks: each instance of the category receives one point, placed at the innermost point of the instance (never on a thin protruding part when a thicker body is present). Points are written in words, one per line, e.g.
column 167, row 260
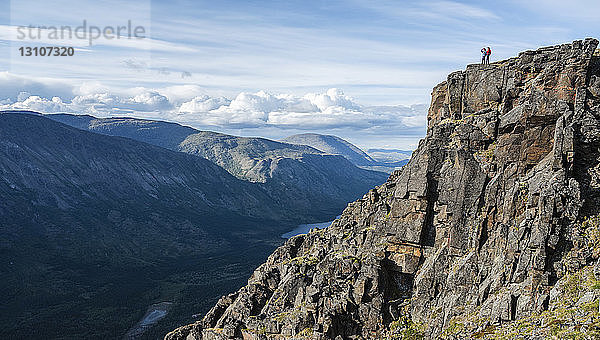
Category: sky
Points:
column 359, row 69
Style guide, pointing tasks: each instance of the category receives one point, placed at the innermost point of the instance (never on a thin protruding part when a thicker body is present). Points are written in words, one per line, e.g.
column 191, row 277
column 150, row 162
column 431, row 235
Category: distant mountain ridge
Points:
column 389, row 155
column 248, row 158
column 159, row 133
column 93, row 227
column 313, row 181
column 333, row 145
column 337, row 146
column 47, row 148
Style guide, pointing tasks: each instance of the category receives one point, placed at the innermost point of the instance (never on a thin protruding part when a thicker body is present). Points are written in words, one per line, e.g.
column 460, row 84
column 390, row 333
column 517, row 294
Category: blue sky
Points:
column 354, row 68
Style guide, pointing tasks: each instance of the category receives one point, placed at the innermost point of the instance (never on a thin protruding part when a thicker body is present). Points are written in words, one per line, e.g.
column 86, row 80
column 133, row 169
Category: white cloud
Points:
column 203, row 104
column 36, row 103
column 333, row 98
column 263, row 109
column 179, row 94
column 259, row 113
column 457, row 9
column 331, row 109
column 11, row 86
column 148, row 101
column 106, row 103
column 256, row 102
column 313, row 102
column 101, row 104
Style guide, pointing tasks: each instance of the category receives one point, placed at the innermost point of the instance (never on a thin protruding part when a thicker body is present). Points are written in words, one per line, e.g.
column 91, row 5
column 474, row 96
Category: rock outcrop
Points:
column 481, row 228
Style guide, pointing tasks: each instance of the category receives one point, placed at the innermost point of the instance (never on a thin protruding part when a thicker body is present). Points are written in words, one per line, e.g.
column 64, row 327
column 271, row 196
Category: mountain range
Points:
column 95, row 227
column 315, row 181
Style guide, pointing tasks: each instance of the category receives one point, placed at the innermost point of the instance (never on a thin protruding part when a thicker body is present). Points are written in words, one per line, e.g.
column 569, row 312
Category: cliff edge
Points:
column 490, row 230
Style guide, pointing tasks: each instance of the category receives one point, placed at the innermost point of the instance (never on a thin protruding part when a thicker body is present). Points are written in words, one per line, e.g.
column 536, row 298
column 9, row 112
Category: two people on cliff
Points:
column 485, row 55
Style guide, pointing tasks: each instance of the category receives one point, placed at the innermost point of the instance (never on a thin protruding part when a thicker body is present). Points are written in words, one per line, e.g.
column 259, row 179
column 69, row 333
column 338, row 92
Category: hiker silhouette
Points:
column 485, row 55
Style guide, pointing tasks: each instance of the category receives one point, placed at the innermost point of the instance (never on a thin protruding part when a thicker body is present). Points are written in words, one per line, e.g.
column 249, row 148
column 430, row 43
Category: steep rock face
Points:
column 483, row 221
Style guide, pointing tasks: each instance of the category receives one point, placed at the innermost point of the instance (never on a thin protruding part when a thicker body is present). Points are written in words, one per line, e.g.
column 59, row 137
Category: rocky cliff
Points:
column 489, row 231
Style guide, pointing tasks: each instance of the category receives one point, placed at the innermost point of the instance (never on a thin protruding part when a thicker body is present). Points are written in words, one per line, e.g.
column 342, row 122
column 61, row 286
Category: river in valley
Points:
column 154, row 314
column 305, row 228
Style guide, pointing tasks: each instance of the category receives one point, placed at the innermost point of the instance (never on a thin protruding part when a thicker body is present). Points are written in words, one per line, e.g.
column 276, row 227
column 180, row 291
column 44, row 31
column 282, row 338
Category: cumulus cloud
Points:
column 409, row 116
column 178, row 94
column 257, row 111
column 36, row 103
column 147, row 101
column 332, row 98
column 11, row 86
column 106, row 103
column 330, row 109
column 203, row 104
column 101, row 104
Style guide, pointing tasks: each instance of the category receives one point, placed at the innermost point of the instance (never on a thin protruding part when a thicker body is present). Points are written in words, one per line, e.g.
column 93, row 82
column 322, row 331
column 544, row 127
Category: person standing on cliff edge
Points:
column 483, row 55
column 488, row 52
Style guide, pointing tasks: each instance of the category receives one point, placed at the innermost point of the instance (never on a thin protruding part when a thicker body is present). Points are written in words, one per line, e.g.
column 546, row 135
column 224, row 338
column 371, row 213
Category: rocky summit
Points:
column 490, row 231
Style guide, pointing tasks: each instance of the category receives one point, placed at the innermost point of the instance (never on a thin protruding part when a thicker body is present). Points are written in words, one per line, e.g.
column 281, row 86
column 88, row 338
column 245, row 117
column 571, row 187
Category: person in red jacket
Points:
column 488, row 52
column 483, row 55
